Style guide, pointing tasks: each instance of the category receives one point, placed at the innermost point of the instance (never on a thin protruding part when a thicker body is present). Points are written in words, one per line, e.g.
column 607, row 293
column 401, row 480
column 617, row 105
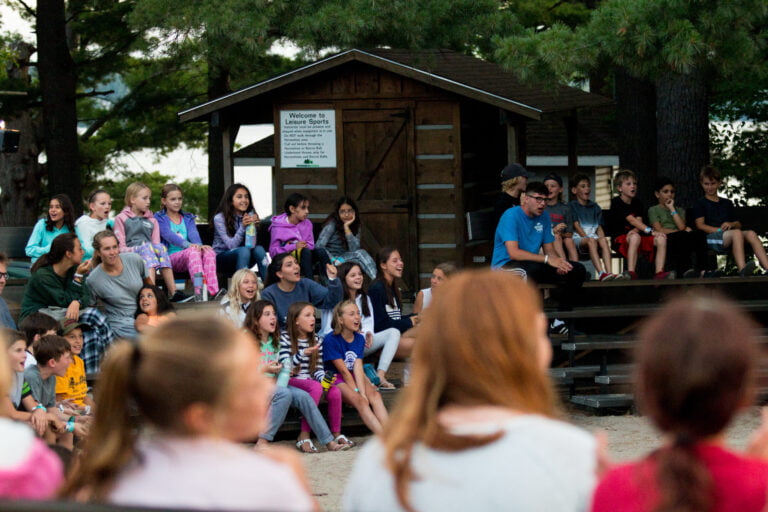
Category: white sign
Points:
column 307, row 138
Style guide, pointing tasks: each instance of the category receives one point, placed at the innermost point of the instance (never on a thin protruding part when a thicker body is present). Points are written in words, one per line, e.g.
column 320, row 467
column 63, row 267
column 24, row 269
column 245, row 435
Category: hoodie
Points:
column 132, row 230
column 284, row 235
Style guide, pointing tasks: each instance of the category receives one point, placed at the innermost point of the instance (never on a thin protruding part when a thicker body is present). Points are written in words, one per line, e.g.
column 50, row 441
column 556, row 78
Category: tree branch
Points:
column 29, row 10
column 93, row 93
column 114, row 111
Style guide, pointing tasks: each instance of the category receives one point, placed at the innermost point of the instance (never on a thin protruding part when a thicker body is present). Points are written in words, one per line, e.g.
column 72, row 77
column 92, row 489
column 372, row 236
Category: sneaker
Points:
column 712, row 274
column 664, row 275
column 607, row 276
column 690, row 273
column 630, row 275
column 560, row 328
column 621, row 277
column 748, row 270
column 182, row 297
column 219, row 294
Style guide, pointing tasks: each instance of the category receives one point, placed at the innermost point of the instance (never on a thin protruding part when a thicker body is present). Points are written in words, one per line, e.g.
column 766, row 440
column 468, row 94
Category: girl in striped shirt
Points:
column 301, row 348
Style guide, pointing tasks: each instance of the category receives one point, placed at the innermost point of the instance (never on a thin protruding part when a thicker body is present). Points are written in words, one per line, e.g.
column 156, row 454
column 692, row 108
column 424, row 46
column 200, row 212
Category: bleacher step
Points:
column 604, row 401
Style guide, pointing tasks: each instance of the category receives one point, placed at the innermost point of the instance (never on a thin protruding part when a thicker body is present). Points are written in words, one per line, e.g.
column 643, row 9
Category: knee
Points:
column 592, row 243
column 660, row 241
column 750, row 235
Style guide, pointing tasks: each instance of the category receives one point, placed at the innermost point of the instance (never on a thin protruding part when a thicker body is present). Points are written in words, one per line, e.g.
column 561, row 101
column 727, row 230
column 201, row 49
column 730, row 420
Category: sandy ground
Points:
column 629, row 436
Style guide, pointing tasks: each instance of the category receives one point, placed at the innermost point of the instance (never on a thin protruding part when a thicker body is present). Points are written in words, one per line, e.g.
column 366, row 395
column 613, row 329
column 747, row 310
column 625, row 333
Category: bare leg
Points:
column 592, row 245
column 757, row 248
column 661, row 252
column 606, row 251
column 558, row 246
column 735, row 238
column 362, row 405
column 633, row 239
column 407, row 342
column 167, row 274
column 377, row 404
column 570, row 247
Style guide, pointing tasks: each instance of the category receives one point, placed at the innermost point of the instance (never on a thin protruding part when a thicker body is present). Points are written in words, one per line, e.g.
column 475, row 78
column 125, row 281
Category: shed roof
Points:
column 454, row 72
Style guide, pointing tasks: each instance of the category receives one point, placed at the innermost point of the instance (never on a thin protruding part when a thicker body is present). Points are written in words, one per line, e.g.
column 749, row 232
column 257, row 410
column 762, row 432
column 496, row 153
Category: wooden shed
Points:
column 416, row 138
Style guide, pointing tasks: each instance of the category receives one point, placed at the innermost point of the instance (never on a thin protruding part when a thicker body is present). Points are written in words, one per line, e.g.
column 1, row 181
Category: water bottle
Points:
column 197, row 282
column 205, row 290
column 328, row 380
column 285, row 373
column 250, row 235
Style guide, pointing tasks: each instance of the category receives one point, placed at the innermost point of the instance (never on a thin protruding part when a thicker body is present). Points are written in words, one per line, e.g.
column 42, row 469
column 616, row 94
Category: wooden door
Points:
column 379, row 176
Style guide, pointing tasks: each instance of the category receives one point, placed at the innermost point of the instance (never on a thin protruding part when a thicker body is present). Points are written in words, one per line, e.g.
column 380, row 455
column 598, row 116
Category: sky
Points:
column 182, row 163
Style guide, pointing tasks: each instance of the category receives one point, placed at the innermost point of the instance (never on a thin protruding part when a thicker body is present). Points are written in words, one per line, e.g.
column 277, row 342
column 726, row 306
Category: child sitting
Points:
column 28, row 469
column 53, row 358
column 292, row 232
column 682, row 241
column 560, row 217
column 152, row 308
column 137, row 231
column 630, row 234
column 716, row 217
column 86, row 227
column 588, row 232
column 441, row 272
column 34, row 327
column 73, row 387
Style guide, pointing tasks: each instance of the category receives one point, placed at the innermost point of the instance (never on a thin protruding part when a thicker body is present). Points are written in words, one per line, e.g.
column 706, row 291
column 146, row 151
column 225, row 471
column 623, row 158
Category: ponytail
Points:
column 684, row 483
column 110, row 445
column 59, row 247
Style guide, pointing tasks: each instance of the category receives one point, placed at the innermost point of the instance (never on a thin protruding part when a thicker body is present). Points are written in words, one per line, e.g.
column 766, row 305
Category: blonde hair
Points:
column 510, row 184
column 621, row 177
column 133, row 190
column 338, row 311
column 233, row 294
column 152, row 382
column 475, row 348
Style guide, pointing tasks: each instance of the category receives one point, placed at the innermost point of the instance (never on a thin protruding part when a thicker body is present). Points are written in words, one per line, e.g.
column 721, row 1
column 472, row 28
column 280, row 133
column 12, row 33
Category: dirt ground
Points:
column 629, row 436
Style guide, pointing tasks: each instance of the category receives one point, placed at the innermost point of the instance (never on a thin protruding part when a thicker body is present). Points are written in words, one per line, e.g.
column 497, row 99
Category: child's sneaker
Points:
column 712, row 274
column 690, row 273
column 558, row 327
column 748, row 270
column 181, row 297
column 606, row 276
column 664, row 275
column 630, row 275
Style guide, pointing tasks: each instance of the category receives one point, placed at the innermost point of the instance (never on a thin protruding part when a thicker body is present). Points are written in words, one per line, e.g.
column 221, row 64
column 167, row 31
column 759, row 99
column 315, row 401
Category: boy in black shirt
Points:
column 629, row 233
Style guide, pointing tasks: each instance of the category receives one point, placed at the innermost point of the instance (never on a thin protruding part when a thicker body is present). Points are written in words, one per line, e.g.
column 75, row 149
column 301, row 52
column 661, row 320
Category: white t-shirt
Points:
column 366, row 322
column 207, row 473
column 539, row 464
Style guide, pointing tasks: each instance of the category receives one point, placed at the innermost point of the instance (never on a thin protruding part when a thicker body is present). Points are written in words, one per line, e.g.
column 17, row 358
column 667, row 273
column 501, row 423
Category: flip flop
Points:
column 344, row 440
column 387, row 386
column 300, row 446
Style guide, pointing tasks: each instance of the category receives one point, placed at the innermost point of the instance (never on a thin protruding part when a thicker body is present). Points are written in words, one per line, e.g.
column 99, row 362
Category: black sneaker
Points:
column 182, row 297
column 748, row 270
column 560, row 329
column 219, row 295
column 712, row 274
column 690, row 273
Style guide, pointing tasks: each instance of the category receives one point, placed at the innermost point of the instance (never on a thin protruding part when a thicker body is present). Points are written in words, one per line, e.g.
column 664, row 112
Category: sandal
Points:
column 344, row 441
column 340, row 447
column 300, row 446
column 387, row 386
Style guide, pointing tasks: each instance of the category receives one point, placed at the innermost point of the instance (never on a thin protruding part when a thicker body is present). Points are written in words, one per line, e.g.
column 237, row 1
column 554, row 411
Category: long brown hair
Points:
column 475, row 348
column 151, row 383
column 691, row 380
column 394, row 298
column 294, row 335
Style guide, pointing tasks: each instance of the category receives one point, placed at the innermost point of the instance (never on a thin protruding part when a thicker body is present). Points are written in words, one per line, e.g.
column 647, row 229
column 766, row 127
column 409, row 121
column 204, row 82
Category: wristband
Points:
column 546, row 258
column 71, row 424
column 61, row 408
column 40, row 406
column 357, row 390
column 719, row 230
column 648, row 230
column 78, row 276
column 674, row 212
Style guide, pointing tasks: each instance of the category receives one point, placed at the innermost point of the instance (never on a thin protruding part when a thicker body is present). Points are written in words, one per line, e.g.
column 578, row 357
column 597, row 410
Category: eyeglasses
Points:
column 3, row 275
column 346, row 212
column 538, row 199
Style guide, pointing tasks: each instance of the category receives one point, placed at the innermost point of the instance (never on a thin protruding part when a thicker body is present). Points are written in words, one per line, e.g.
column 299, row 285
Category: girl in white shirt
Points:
column 171, row 412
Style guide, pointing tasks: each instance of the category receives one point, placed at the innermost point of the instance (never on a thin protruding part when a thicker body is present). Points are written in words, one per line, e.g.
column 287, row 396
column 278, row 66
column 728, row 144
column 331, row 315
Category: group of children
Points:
column 660, row 234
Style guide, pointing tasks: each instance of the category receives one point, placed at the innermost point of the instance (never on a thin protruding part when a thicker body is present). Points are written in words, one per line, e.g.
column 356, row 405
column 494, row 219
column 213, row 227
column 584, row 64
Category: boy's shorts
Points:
column 715, row 242
column 646, row 246
column 577, row 238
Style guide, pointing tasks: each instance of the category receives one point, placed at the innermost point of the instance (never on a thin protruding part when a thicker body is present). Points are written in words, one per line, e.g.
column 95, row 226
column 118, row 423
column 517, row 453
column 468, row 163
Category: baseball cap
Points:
column 513, row 171
column 67, row 324
column 554, row 177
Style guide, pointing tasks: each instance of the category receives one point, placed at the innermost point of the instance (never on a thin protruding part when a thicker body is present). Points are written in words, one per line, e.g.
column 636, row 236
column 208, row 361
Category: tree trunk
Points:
column 20, row 173
column 636, row 125
column 58, row 85
column 683, row 131
column 218, row 85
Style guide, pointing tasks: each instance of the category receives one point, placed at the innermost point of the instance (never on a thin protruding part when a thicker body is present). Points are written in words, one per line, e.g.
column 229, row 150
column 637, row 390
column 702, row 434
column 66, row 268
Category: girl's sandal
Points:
column 344, row 441
column 385, row 385
column 339, row 447
column 306, row 446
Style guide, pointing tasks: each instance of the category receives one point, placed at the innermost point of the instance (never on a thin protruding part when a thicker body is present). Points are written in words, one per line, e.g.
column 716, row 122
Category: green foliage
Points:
column 195, row 192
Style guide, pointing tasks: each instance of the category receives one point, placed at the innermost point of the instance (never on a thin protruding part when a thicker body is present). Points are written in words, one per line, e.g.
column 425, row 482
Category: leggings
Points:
column 197, row 260
column 315, row 390
column 386, row 340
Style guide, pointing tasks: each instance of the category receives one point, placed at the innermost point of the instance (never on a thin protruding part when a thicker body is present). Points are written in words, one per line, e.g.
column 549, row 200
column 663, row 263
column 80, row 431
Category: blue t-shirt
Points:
column 336, row 347
column 530, row 233
column 181, row 230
